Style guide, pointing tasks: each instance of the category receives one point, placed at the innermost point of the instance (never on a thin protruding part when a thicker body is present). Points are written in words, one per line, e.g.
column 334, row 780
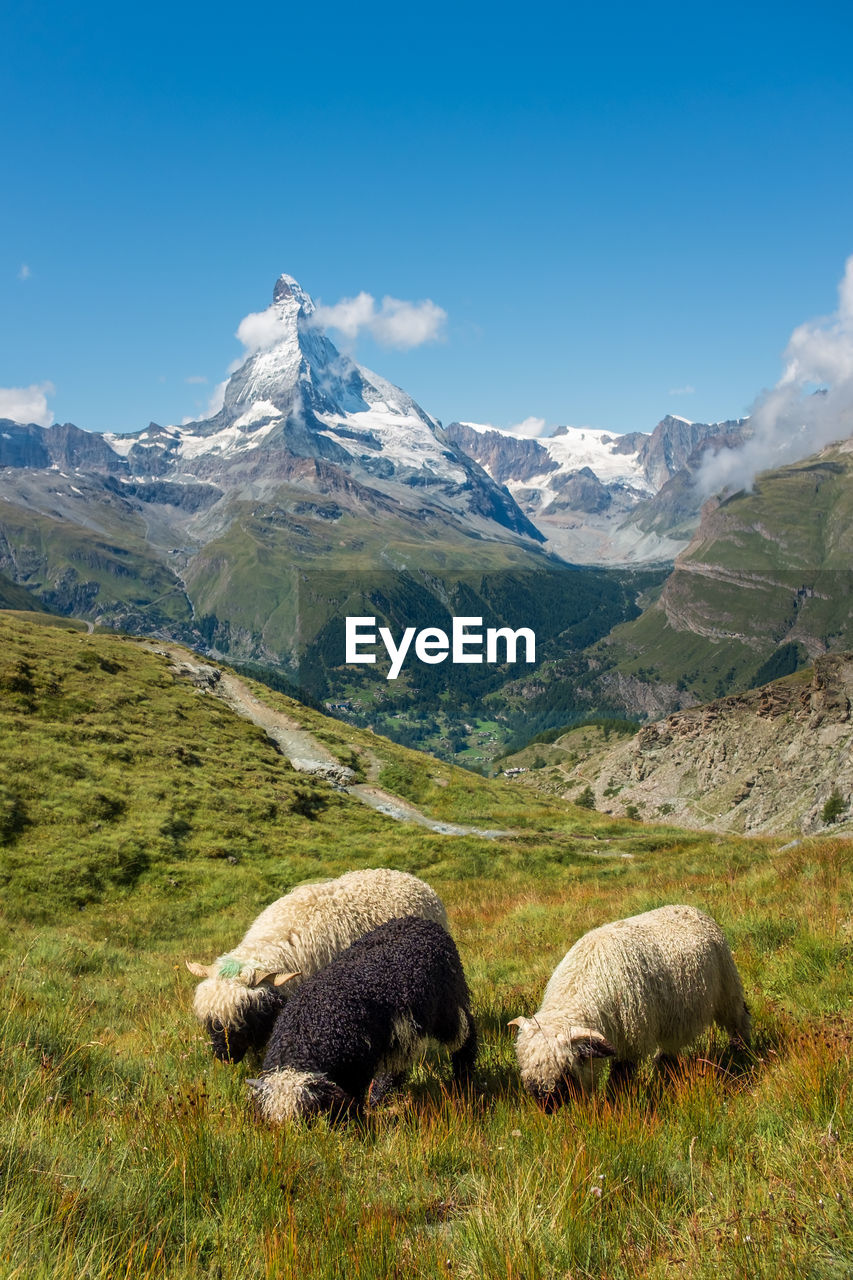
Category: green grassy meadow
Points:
column 142, row 824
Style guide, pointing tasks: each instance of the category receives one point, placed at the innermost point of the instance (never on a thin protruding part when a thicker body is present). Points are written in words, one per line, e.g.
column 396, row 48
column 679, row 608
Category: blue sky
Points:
column 611, row 207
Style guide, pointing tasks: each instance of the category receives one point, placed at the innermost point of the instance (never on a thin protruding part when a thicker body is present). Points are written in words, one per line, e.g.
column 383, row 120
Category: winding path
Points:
column 305, row 753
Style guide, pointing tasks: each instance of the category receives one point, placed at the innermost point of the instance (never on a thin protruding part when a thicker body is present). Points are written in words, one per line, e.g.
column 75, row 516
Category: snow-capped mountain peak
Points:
column 296, row 397
column 288, row 290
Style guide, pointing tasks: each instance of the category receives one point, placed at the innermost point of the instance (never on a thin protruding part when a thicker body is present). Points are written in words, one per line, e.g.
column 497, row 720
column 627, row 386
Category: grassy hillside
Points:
column 766, row 569
column 143, row 824
column 105, row 571
column 15, row 597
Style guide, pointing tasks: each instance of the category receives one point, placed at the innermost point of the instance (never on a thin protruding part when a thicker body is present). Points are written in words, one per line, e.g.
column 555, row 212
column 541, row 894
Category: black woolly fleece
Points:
column 341, row 1020
column 232, row 1043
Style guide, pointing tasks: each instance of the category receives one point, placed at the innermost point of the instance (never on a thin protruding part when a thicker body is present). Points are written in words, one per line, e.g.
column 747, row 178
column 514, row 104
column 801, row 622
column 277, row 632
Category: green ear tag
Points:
column 230, row 967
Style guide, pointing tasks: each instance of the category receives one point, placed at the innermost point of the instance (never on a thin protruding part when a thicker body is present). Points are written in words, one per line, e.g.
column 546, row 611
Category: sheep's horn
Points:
column 199, row 970
column 281, row 978
column 271, row 975
column 591, row 1044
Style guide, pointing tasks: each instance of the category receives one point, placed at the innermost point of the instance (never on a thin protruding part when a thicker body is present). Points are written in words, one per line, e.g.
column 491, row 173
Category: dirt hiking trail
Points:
column 305, row 753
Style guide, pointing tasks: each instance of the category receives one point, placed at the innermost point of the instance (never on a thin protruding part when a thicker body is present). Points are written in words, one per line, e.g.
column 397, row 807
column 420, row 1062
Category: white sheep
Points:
column 649, row 983
column 295, row 936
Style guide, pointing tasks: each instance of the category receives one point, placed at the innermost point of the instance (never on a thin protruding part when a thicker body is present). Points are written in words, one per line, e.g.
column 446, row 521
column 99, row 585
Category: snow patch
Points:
column 403, row 437
column 121, row 445
column 482, row 427
column 227, row 442
column 584, row 447
column 260, row 411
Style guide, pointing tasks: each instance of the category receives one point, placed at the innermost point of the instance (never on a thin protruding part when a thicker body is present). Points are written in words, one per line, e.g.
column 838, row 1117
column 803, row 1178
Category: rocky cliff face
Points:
column 758, row 762
column 601, row 498
column 675, row 509
column 505, row 457
column 673, row 444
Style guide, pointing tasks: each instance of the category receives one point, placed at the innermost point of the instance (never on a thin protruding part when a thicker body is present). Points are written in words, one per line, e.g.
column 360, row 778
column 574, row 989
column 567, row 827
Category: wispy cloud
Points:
column 395, row 323
column 217, row 399
column 682, row 391
column 195, row 379
column 261, row 330
column 27, row 404
column 24, row 273
column 531, row 427
column 811, row 404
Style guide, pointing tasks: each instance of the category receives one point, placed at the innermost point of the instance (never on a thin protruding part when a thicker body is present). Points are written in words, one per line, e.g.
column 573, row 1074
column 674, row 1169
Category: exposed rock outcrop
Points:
column 762, row 761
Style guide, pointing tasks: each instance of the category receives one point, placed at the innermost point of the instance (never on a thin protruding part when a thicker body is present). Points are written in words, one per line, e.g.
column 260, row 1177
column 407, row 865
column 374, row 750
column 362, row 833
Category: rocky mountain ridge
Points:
column 311, row 464
column 601, row 498
column 766, row 570
column 764, row 761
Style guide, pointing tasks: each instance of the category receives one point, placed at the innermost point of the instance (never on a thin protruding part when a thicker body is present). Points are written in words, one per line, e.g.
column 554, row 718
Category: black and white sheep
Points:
column 630, row 988
column 244, row 991
column 370, row 1012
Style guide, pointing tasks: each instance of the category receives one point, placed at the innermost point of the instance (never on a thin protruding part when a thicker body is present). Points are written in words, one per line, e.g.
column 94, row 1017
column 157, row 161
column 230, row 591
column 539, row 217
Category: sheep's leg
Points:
column 621, row 1074
column 466, row 1055
column 382, row 1086
column 668, row 1066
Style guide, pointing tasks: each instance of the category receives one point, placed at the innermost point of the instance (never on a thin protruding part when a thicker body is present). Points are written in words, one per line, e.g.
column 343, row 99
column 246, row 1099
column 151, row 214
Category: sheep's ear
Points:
column 591, row 1044
column 273, row 976
column 199, row 970
column 281, row 978
column 331, row 1099
column 518, row 1023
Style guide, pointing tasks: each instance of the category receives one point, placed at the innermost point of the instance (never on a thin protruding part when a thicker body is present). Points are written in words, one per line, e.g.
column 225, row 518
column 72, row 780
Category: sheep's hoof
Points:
column 381, row 1089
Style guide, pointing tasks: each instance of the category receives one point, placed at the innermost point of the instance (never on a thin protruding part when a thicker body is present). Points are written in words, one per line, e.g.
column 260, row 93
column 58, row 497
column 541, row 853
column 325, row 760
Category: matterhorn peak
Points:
column 288, row 291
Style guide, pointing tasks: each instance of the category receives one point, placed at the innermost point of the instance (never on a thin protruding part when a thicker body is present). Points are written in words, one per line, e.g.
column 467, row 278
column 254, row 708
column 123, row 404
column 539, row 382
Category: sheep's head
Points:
column 287, row 1094
column 556, row 1058
column 238, row 1005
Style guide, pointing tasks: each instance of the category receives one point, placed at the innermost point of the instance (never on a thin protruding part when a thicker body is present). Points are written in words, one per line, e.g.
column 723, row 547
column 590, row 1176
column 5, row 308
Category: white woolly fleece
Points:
column 649, row 982
column 289, row 1094
column 307, row 928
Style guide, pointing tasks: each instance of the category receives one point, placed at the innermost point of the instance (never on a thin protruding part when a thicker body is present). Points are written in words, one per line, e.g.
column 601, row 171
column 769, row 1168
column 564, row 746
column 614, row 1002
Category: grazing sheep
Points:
column 651, row 982
column 241, row 994
column 370, row 1011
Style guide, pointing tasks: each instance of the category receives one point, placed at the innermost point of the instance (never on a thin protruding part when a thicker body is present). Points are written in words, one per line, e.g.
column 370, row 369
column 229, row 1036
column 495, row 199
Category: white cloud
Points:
column 24, row 273
column 217, row 399
column 393, row 324
column 195, row 379
column 407, row 324
column 261, row 330
column 531, row 427
column 791, row 421
column 682, row 391
column 27, row 404
column 349, row 316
